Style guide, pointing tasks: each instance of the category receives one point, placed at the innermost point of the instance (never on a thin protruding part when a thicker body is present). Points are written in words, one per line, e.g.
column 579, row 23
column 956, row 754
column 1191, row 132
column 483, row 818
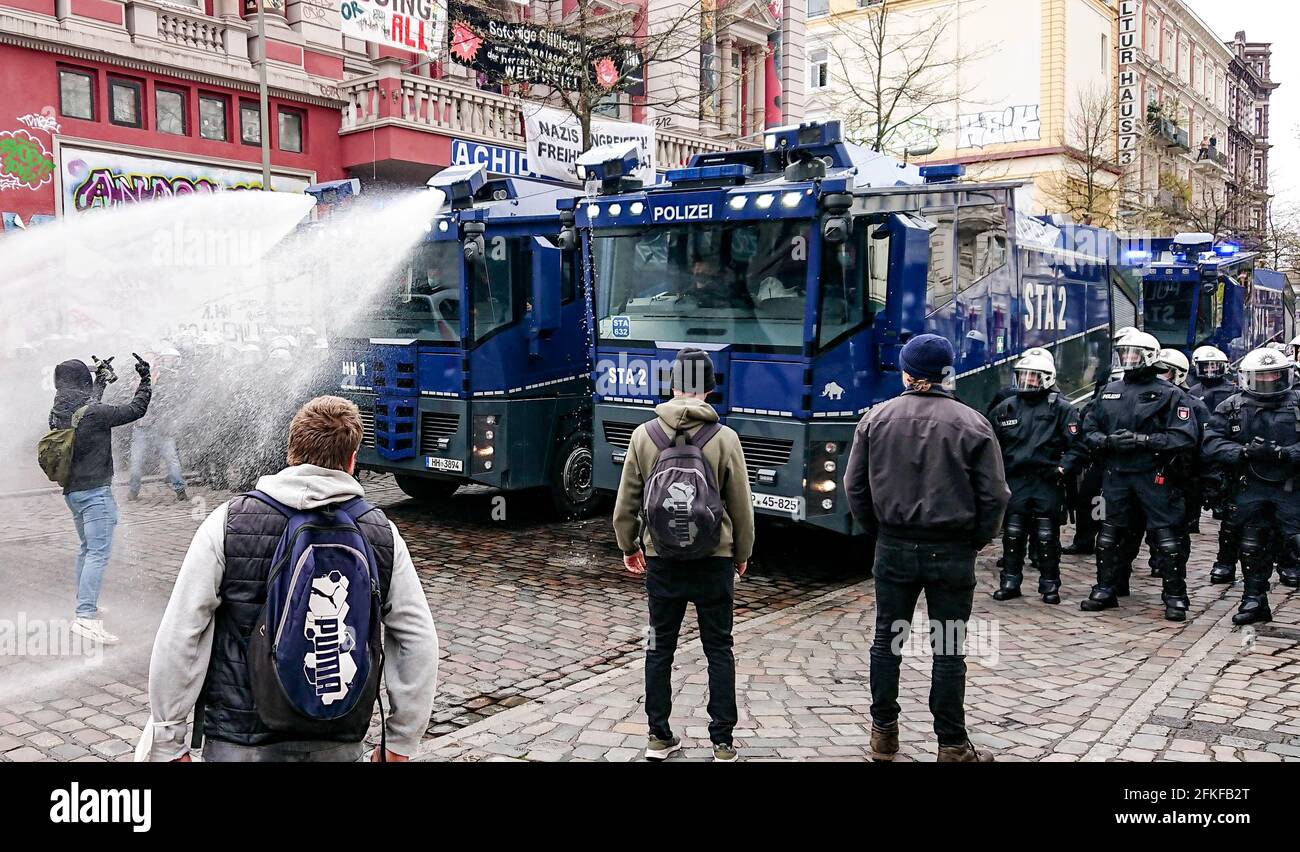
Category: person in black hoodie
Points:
column 89, row 492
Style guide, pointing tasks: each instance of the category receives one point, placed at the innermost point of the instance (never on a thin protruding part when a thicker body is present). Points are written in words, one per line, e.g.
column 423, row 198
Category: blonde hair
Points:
column 325, row 432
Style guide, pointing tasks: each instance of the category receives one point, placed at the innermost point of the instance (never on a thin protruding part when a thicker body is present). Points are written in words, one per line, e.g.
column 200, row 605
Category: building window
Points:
column 1152, row 41
column 250, row 124
column 77, row 94
column 818, row 8
column 1105, row 51
column 169, row 112
column 818, row 68
column 212, row 117
column 610, row 105
column 1167, row 55
column 290, row 130
column 124, row 98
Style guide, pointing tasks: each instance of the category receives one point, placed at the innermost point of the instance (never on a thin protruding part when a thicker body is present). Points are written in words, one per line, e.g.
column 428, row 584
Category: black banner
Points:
column 523, row 52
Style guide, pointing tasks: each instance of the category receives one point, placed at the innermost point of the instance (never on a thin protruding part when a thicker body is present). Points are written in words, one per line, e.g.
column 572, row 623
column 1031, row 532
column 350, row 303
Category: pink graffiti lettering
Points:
column 106, row 188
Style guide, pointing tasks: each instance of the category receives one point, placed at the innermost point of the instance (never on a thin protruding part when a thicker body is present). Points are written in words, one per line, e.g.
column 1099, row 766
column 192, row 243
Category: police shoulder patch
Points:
column 1184, row 412
column 1111, row 395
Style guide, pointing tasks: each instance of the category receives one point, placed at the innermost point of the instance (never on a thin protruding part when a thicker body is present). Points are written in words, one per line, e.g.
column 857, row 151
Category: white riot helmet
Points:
column 1175, row 363
column 1035, row 371
column 1135, row 351
column 1124, row 332
column 1039, row 351
column 1265, row 373
column 1210, row 362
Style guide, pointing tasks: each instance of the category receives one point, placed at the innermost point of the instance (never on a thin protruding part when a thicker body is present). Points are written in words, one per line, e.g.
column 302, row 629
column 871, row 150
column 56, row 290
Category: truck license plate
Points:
column 448, row 465
column 792, row 506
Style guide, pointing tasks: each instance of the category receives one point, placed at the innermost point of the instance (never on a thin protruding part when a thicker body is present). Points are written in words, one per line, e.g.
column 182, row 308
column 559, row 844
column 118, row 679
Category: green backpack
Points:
column 54, row 451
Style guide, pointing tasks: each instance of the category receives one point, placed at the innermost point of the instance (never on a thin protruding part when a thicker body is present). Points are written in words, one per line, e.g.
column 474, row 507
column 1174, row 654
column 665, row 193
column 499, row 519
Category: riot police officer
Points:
column 1039, row 434
column 1137, row 427
column 1256, row 434
column 1086, row 488
column 1213, row 387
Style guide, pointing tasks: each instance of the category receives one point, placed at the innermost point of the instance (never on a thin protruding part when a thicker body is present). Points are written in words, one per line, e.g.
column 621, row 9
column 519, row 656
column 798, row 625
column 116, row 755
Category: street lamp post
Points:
column 262, row 106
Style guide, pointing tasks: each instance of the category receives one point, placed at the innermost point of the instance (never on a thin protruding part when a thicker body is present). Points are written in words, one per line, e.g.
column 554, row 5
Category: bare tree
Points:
column 1088, row 187
column 894, row 69
column 604, row 48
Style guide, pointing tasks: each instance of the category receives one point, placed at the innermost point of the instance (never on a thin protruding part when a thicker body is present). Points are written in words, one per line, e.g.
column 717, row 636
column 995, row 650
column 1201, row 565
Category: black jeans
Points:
column 945, row 571
column 710, row 585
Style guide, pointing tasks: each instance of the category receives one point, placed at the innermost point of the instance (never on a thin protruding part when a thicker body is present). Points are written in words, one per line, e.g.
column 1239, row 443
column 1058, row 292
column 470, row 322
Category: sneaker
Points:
column 93, row 629
column 659, row 749
column 724, row 753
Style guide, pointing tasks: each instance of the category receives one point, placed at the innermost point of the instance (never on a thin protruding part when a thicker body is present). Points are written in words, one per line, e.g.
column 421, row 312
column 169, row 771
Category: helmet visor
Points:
column 1266, row 382
column 1030, row 380
column 1211, row 369
column 1131, row 357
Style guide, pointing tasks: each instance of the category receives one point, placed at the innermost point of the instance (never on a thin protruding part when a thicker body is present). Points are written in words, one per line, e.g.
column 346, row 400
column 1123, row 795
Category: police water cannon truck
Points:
column 473, row 365
column 803, row 267
column 1201, row 292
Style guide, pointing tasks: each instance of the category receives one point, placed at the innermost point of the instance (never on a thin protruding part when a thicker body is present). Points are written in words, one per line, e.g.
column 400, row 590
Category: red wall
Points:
column 29, row 84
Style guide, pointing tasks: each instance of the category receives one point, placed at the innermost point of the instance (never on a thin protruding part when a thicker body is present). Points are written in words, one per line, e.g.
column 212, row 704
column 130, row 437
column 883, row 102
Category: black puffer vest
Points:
column 252, row 531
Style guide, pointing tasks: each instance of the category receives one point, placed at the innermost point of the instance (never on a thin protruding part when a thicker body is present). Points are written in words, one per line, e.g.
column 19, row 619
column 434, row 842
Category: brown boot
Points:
column 965, row 753
column 884, row 742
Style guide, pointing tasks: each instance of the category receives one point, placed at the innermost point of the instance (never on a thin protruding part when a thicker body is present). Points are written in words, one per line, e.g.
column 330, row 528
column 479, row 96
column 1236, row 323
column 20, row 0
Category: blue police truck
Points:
column 803, row 267
column 1199, row 292
column 472, row 367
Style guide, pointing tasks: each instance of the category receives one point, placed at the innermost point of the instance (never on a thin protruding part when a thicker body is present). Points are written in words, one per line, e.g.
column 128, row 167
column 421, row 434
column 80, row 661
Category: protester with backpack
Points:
column 78, row 455
column 292, row 602
column 684, row 520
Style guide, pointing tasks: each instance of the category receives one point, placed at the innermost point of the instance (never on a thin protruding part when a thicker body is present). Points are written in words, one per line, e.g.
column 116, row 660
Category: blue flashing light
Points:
column 1225, row 249
column 333, row 191
column 729, row 171
column 1137, row 255
column 942, row 174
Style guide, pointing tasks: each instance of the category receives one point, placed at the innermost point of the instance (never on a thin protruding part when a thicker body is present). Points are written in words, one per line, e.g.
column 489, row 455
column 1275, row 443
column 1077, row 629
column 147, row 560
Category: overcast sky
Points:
column 1277, row 21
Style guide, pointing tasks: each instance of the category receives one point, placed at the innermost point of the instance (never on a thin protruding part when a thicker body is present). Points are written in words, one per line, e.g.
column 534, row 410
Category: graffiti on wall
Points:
column 25, row 162
column 96, row 178
column 43, row 120
column 1018, row 123
column 108, row 188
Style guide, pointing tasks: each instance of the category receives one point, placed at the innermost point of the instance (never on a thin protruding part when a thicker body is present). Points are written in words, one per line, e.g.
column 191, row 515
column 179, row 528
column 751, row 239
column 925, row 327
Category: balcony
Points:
column 192, row 30
column 457, row 109
column 1168, row 134
column 1211, row 159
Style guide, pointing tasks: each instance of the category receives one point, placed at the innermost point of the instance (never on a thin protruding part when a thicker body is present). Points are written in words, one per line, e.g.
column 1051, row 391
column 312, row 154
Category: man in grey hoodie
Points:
column 709, row 583
column 199, row 655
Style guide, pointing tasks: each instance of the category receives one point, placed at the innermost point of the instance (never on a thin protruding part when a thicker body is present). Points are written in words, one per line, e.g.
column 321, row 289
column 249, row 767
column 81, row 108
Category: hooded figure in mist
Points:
column 89, row 492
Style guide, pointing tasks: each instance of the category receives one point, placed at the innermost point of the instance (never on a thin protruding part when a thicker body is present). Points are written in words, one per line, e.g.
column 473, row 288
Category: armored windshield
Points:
column 736, row 283
column 423, row 298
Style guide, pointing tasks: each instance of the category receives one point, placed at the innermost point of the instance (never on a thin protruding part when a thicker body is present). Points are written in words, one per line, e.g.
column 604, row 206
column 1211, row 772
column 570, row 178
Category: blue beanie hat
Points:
column 927, row 356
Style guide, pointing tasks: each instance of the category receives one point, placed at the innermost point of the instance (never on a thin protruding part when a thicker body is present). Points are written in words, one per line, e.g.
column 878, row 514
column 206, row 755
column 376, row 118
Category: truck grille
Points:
column 764, row 452
column 619, row 434
column 435, row 425
column 367, row 425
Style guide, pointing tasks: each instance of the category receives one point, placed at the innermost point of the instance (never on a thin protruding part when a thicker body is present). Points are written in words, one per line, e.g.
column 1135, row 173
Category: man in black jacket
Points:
column 925, row 478
column 1213, row 387
column 89, row 492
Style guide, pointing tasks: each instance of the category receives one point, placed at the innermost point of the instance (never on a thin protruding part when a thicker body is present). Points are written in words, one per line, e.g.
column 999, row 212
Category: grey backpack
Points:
column 682, row 506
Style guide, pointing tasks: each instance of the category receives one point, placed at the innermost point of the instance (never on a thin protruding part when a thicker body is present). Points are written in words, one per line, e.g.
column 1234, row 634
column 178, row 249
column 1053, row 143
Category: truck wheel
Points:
column 572, row 489
column 427, row 489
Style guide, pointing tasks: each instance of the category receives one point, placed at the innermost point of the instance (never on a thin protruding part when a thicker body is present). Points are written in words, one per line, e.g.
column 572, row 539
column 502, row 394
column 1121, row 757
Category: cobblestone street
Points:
column 541, row 635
